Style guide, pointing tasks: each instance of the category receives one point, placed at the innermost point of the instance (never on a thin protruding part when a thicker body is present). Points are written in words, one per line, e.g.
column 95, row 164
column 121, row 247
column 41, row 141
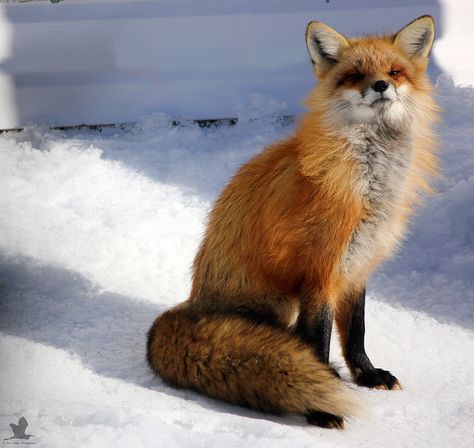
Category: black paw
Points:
column 325, row 420
column 377, row 379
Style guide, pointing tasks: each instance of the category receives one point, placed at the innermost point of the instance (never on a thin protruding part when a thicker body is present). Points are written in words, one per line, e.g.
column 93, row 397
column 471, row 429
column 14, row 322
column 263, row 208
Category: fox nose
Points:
column 380, row 86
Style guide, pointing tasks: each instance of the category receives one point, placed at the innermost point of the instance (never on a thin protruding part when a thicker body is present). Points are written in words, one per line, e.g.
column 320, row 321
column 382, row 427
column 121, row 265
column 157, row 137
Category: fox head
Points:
column 373, row 79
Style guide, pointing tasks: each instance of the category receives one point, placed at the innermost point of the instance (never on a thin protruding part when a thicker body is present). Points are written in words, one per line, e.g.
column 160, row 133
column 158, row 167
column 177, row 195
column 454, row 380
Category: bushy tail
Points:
column 254, row 365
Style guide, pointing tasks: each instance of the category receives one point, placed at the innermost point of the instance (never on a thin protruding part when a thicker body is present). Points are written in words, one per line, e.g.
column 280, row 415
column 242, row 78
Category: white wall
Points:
column 107, row 61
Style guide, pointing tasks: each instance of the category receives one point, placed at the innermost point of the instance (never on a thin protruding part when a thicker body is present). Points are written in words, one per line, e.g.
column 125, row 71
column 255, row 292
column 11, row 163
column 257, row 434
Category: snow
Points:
column 97, row 235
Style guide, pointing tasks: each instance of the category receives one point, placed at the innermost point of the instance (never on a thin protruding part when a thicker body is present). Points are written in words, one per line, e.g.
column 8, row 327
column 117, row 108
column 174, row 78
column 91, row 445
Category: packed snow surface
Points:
column 97, row 235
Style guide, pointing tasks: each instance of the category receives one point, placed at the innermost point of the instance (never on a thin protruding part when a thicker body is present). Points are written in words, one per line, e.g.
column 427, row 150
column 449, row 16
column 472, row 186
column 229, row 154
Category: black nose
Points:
column 380, row 86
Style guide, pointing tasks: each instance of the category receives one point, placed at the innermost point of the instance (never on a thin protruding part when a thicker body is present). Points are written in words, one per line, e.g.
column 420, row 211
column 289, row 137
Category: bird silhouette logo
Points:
column 19, row 431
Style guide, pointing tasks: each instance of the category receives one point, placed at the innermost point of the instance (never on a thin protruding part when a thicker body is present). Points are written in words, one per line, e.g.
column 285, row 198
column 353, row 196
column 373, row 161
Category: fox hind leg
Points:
column 325, row 420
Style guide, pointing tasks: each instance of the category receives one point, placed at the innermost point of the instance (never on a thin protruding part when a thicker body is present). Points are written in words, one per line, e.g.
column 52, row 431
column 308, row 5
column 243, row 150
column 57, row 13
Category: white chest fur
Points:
column 383, row 159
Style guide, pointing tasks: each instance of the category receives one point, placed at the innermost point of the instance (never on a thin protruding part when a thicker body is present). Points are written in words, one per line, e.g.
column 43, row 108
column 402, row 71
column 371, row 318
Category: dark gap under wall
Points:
column 202, row 123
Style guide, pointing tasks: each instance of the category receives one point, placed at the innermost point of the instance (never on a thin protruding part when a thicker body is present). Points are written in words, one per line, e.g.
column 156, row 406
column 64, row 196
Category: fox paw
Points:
column 325, row 420
column 377, row 379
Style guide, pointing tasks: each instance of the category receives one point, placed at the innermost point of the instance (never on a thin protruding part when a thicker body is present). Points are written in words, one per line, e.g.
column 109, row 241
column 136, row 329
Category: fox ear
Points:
column 324, row 45
column 416, row 39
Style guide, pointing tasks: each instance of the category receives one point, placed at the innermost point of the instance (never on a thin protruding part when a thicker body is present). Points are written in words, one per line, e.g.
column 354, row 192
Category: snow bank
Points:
column 95, row 216
column 97, row 235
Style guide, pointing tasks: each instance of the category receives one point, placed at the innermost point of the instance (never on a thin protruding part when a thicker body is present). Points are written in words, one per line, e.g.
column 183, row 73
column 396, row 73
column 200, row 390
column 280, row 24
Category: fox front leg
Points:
column 315, row 326
column 351, row 324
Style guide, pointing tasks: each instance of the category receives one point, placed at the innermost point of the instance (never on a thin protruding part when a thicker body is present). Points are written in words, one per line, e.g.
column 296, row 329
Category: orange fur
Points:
column 277, row 235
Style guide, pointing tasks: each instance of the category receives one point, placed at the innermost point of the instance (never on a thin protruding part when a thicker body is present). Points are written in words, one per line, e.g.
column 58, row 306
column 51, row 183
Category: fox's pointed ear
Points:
column 324, row 45
column 416, row 39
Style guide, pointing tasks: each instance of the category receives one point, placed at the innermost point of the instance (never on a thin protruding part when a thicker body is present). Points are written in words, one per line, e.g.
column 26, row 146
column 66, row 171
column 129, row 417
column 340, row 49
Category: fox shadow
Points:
column 61, row 308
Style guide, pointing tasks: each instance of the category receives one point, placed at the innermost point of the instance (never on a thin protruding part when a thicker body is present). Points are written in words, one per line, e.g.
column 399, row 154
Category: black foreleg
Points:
column 350, row 320
column 315, row 326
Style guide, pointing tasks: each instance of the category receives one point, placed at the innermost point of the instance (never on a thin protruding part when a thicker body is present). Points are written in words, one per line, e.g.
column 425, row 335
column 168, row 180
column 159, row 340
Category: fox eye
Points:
column 355, row 77
column 394, row 72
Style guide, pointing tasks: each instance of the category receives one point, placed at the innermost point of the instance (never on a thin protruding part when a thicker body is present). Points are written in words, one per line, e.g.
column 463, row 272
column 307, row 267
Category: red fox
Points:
column 294, row 236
